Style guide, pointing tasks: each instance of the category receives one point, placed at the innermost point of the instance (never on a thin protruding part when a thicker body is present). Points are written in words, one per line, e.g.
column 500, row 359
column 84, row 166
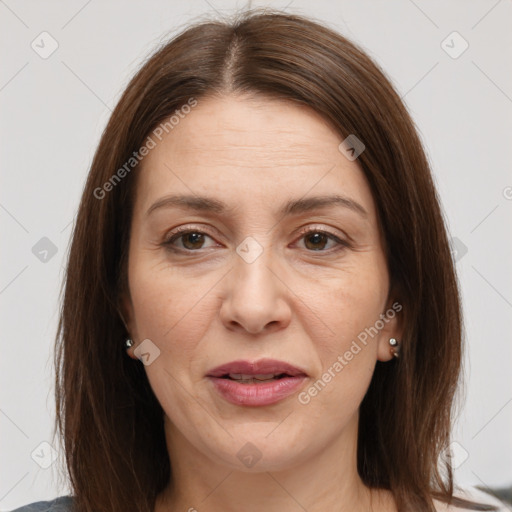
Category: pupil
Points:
column 196, row 240
column 317, row 238
column 196, row 237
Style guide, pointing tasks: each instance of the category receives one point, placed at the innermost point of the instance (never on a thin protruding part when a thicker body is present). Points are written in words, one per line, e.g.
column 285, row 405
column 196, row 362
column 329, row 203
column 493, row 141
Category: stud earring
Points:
column 395, row 347
column 128, row 343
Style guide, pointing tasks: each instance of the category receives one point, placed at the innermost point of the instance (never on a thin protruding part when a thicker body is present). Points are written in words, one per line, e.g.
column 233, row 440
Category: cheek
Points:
column 163, row 298
column 350, row 302
column 350, row 305
column 175, row 312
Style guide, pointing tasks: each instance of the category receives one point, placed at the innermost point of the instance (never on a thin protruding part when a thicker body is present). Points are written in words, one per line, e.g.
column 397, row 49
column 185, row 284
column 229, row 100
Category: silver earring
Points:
column 128, row 343
column 395, row 347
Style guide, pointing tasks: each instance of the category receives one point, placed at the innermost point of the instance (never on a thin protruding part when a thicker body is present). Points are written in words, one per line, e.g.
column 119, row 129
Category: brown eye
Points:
column 191, row 240
column 194, row 240
column 316, row 241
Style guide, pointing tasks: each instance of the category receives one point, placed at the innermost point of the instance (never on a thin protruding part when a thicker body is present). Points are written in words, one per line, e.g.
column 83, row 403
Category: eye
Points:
column 316, row 239
column 191, row 239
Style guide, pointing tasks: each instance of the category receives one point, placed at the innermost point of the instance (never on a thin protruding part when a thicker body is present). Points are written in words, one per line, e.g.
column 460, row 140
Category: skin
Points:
column 303, row 300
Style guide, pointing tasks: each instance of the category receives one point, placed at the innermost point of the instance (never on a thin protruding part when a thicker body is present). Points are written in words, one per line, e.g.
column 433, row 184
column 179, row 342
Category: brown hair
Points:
column 110, row 420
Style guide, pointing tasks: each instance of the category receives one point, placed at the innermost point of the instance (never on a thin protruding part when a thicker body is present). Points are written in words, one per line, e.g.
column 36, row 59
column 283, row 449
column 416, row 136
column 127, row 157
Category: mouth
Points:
column 263, row 369
column 258, row 383
column 254, row 379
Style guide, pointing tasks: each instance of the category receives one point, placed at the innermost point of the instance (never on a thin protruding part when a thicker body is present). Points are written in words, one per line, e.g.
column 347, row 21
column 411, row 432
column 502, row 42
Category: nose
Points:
column 256, row 298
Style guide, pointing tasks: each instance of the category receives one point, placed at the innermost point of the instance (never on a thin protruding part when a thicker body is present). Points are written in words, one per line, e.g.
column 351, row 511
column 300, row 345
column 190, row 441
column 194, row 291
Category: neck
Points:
column 326, row 480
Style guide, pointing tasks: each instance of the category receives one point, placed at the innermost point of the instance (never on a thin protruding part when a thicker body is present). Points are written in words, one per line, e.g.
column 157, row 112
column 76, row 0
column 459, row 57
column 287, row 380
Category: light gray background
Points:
column 54, row 110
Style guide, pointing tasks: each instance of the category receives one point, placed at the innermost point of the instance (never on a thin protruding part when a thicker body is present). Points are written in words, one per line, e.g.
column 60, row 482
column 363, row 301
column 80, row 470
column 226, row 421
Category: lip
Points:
column 257, row 394
column 256, row 367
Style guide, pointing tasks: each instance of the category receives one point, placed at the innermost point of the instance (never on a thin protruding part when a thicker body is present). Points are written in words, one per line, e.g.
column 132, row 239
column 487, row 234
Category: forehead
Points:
column 249, row 149
column 252, row 127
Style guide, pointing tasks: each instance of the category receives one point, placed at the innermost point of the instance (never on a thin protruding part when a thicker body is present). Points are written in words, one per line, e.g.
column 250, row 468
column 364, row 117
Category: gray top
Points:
column 65, row 503
column 62, row 504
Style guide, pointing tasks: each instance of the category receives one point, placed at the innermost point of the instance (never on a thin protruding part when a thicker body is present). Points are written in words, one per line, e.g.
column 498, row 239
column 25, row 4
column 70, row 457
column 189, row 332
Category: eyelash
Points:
column 179, row 232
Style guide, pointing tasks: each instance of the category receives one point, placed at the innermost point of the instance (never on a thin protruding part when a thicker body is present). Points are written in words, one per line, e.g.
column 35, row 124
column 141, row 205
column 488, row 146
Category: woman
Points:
column 260, row 308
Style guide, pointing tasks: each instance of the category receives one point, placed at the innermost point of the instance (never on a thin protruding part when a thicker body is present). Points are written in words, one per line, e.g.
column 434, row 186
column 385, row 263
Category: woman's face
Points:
column 248, row 283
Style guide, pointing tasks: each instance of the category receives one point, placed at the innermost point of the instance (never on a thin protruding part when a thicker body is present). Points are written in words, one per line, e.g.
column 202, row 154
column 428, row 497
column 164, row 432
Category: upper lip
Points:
column 262, row 366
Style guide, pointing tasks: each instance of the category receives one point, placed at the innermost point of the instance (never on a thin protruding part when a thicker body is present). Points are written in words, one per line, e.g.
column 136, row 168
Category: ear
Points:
column 125, row 311
column 392, row 318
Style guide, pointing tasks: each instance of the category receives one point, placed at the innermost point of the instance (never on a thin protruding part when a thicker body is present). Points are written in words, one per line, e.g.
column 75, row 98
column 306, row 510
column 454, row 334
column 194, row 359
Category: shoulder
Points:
column 61, row 504
column 476, row 495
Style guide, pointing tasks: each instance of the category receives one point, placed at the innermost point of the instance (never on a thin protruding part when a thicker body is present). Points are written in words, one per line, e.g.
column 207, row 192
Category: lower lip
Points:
column 257, row 394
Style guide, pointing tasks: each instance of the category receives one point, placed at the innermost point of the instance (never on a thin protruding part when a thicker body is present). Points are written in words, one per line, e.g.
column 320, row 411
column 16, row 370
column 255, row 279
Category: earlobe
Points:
column 128, row 344
column 390, row 339
column 125, row 311
column 389, row 349
column 394, row 347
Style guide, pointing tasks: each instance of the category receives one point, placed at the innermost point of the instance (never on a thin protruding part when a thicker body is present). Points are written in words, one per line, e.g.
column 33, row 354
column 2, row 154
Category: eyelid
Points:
column 341, row 241
column 321, row 229
column 190, row 228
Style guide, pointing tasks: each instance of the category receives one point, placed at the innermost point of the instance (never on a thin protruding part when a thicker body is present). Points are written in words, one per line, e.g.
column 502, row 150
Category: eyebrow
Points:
column 292, row 207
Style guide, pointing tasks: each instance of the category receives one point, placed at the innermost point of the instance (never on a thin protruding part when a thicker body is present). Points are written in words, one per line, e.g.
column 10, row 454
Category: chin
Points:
column 257, row 447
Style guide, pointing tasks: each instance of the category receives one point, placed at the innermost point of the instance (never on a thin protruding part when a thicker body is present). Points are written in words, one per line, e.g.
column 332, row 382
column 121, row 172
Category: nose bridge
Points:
column 256, row 296
column 255, row 263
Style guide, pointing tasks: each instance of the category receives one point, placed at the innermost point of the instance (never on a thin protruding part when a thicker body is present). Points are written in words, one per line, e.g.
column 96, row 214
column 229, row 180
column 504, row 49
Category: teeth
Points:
column 251, row 378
